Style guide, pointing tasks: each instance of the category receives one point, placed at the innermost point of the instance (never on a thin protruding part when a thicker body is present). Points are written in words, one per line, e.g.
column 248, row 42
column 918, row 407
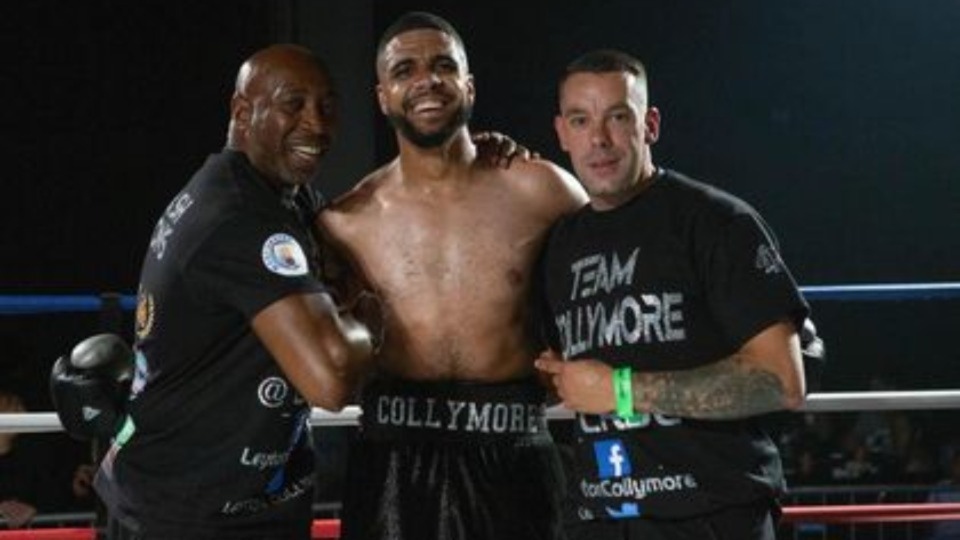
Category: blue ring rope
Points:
column 883, row 291
column 48, row 303
column 59, row 303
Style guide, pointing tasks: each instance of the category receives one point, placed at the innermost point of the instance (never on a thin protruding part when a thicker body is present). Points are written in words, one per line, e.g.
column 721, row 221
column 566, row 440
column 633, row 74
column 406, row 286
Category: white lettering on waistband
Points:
column 457, row 415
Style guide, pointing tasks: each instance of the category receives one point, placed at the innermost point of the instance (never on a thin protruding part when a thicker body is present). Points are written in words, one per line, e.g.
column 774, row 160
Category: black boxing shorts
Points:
column 451, row 461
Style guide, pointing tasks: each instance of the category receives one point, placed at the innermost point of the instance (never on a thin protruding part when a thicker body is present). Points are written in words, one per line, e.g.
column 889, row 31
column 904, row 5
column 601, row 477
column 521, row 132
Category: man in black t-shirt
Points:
column 675, row 323
column 236, row 336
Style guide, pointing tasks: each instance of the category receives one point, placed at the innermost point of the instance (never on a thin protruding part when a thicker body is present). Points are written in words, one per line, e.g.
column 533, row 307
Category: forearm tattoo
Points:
column 726, row 390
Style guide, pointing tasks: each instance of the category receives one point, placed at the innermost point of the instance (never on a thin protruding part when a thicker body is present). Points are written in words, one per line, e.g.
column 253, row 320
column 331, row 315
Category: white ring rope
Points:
column 41, row 422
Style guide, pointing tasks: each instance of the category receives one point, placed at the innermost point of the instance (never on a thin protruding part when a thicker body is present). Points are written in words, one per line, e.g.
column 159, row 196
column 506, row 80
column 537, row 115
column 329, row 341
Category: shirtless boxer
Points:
column 453, row 440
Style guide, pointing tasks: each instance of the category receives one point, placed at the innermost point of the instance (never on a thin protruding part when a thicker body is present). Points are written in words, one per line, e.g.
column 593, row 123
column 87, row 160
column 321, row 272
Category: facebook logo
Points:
column 612, row 458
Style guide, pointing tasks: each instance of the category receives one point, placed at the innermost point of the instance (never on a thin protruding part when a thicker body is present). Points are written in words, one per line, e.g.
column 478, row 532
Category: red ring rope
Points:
column 323, row 529
column 329, row 529
column 871, row 513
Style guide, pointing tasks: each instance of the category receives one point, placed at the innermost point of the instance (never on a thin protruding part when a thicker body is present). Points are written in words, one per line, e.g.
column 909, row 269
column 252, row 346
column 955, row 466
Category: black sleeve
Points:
column 248, row 264
column 750, row 287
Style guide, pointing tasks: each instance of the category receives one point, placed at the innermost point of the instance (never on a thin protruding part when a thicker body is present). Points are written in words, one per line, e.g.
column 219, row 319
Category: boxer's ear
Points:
column 382, row 99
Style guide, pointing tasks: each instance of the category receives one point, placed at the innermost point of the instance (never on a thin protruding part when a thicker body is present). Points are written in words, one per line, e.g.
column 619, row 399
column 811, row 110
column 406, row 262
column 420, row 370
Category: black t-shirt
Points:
column 221, row 439
column 680, row 276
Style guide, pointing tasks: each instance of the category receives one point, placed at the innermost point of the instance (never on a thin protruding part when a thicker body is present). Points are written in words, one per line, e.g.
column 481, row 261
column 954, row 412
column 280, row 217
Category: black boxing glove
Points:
column 814, row 355
column 90, row 386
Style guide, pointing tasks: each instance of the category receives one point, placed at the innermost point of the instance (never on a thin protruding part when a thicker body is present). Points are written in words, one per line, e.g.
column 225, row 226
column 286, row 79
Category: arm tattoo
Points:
column 725, row 390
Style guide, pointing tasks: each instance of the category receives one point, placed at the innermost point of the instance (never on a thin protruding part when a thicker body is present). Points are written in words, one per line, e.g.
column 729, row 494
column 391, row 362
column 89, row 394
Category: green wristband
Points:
column 623, row 391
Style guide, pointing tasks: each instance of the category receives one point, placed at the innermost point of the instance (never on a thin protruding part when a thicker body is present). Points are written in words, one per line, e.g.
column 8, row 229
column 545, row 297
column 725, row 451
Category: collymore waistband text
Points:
column 454, row 415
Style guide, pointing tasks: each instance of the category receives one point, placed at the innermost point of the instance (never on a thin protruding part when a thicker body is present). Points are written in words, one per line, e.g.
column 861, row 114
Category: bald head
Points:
column 282, row 114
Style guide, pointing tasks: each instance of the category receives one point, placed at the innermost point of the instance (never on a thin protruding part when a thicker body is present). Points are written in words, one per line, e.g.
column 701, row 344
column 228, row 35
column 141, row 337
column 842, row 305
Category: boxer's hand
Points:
column 583, row 385
column 495, row 148
column 90, row 386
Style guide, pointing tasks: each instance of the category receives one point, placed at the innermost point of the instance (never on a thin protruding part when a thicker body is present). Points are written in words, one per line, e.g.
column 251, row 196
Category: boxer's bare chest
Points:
column 454, row 271
column 455, row 245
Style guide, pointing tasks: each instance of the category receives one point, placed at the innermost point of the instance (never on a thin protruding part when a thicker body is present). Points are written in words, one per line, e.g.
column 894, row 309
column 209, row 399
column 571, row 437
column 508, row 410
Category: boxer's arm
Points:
column 554, row 191
column 339, row 271
column 324, row 353
column 567, row 194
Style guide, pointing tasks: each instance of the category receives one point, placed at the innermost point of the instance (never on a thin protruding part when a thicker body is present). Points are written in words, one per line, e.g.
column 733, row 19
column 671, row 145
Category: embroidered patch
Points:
column 283, row 255
column 144, row 314
column 768, row 260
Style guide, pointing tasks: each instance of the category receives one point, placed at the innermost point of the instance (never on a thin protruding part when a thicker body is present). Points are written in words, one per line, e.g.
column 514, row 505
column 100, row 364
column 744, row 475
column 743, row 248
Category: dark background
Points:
column 839, row 121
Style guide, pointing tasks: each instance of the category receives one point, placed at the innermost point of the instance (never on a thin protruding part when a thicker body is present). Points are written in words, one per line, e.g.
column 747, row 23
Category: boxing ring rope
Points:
column 42, row 422
column 329, row 529
column 323, row 529
column 38, row 422
column 40, row 303
column 882, row 291
column 35, row 304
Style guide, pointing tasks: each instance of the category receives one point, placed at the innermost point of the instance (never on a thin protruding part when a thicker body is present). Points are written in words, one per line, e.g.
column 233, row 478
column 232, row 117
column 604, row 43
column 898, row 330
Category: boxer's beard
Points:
column 435, row 138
